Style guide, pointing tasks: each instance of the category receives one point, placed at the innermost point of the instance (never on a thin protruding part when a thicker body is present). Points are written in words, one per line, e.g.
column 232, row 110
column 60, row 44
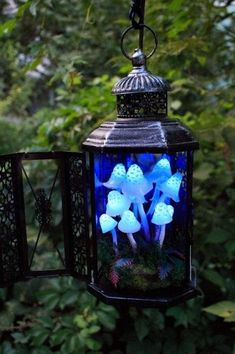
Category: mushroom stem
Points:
column 132, row 241
column 154, row 201
column 157, row 232
column 162, row 235
column 144, row 221
column 115, row 243
column 163, row 198
column 135, row 210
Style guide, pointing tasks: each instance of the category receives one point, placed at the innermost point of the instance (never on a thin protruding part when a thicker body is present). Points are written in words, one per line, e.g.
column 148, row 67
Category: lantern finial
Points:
column 140, row 94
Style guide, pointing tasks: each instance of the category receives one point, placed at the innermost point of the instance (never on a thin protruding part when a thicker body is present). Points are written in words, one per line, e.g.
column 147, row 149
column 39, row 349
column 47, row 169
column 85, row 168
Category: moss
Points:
column 152, row 268
column 105, row 251
column 140, row 283
column 178, row 272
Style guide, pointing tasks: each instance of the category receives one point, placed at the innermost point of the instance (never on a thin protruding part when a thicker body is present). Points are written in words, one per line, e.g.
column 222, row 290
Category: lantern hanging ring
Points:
column 141, row 26
column 136, row 16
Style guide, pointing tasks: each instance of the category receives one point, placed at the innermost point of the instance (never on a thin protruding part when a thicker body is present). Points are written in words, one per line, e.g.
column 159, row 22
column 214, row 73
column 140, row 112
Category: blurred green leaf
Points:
column 179, row 314
column 106, row 319
column 217, row 236
column 225, row 309
column 142, row 328
column 214, row 277
column 93, row 344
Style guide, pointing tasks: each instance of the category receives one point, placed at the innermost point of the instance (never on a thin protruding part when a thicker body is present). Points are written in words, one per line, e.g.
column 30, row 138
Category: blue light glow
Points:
column 161, row 172
column 129, row 223
column 146, row 161
column 136, row 185
column 163, row 214
column 134, row 193
column 107, row 223
column 171, row 187
column 117, row 203
column 117, row 177
column 181, row 162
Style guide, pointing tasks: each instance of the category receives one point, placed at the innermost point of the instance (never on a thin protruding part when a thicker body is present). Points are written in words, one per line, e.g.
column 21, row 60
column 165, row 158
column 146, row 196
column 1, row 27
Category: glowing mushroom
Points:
column 160, row 173
column 108, row 224
column 171, row 187
column 135, row 187
column 129, row 225
column 117, row 203
column 163, row 214
column 117, row 177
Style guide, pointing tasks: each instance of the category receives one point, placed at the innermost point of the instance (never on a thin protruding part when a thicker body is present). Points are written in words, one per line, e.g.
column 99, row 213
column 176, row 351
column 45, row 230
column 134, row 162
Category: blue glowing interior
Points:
column 124, row 182
column 141, row 200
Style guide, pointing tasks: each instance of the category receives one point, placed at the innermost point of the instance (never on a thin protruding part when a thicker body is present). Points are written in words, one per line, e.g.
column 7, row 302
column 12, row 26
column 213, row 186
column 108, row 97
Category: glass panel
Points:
column 42, row 194
column 141, row 220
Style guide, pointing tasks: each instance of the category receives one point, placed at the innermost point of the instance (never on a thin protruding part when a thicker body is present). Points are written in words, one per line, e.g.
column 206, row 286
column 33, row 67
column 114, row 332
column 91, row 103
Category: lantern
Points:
column 126, row 200
column 141, row 173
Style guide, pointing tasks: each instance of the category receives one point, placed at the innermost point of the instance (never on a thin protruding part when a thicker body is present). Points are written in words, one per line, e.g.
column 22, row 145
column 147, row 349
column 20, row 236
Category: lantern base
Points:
column 159, row 299
column 114, row 298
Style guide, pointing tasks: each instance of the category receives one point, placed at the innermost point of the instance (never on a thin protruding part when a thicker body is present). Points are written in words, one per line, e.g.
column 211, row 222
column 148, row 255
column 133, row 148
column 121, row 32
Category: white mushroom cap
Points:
column 161, row 171
column 117, row 177
column 107, row 223
column 171, row 187
column 136, row 185
column 163, row 214
column 129, row 223
column 117, row 203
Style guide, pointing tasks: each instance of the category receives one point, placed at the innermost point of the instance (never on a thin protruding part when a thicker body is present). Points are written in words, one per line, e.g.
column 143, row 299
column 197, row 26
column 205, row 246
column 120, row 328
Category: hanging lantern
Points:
column 141, row 169
column 126, row 200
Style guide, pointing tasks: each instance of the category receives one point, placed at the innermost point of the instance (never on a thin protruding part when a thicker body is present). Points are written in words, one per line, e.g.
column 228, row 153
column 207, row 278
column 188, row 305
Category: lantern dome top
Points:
column 140, row 80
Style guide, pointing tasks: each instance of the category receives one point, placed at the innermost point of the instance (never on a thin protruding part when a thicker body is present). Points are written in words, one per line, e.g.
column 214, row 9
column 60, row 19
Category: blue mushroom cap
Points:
column 160, row 172
column 172, row 186
column 117, row 177
column 163, row 214
column 129, row 223
column 117, row 203
column 107, row 223
column 136, row 185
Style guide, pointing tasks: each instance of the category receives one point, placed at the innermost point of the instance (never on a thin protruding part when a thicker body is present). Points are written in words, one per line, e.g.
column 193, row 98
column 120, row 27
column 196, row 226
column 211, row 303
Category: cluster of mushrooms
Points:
column 128, row 191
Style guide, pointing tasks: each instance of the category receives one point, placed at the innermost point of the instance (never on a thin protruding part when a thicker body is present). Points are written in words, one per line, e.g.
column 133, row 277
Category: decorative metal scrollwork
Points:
column 146, row 105
column 14, row 261
column 43, row 209
column 78, row 215
column 9, row 233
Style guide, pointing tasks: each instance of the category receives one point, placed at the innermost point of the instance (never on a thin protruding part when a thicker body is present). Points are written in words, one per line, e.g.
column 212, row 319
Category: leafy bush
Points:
column 14, row 137
column 59, row 317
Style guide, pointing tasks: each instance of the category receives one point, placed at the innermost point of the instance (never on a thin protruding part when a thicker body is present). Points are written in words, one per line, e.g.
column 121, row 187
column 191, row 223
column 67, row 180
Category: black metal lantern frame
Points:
column 126, row 200
column 69, row 180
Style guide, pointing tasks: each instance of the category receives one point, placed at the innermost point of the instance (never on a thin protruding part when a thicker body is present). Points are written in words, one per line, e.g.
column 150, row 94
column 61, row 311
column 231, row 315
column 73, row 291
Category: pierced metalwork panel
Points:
column 142, row 105
column 77, row 228
column 23, row 197
column 11, row 228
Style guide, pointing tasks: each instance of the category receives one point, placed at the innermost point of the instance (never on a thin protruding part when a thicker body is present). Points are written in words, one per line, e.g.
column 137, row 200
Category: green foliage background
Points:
column 80, row 41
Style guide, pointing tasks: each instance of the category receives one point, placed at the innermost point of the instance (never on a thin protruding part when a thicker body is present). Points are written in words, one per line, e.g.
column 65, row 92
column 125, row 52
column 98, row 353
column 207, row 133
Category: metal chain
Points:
column 135, row 11
column 136, row 15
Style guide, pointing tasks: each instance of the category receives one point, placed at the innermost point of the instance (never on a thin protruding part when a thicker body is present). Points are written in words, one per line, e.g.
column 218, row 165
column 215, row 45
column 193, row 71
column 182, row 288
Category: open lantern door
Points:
column 43, row 216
